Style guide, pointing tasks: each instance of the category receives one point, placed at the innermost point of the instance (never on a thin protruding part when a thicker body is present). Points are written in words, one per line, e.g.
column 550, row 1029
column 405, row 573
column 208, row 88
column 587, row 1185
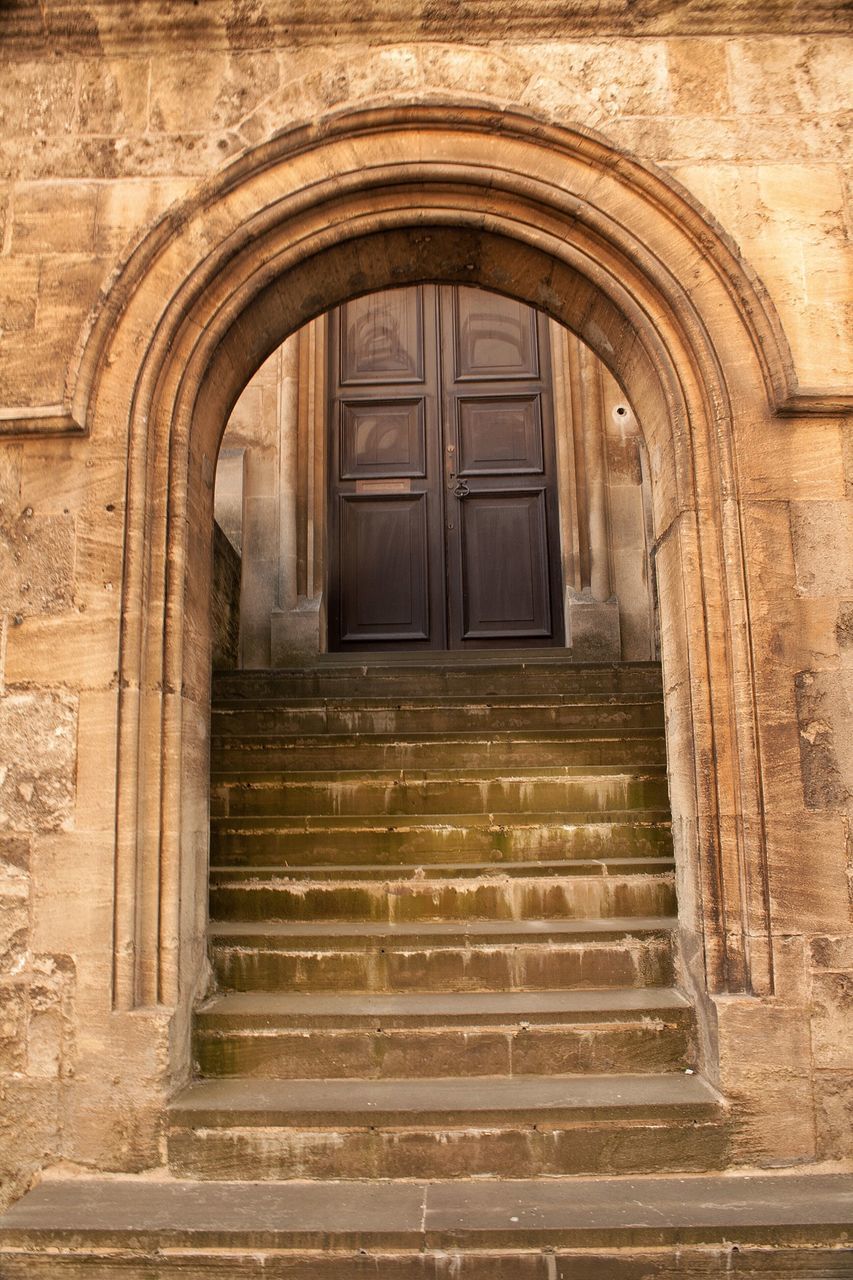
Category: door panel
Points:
column 382, row 438
column 499, row 434
column 505, row 566
column 443, row 505
column 494, row 336
column 383, row 569
column 382, row 338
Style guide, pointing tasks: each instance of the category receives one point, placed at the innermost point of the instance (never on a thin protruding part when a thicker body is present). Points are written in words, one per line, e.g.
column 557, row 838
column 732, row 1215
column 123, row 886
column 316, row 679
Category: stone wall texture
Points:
column 107, row 123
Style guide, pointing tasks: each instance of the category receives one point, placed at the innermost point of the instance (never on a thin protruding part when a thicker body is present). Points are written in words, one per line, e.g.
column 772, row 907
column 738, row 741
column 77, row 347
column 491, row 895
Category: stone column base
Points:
column 592, row 628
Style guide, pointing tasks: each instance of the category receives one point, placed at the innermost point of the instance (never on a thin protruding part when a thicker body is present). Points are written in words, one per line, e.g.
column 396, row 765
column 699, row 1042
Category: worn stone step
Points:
column 258, row 754
column 408, row 715
column 367, row 794
column 448, row 675
column 381, row 1036
column 693, row 1226
column 444, row 838
column 456, row 956
column 539, row 894
column 498, row 1127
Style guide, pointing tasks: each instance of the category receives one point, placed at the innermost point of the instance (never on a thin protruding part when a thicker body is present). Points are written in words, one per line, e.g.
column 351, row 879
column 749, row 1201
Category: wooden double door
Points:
column 443, row 517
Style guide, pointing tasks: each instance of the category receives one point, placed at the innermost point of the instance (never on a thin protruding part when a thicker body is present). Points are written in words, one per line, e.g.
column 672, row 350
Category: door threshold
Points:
column 457, row 658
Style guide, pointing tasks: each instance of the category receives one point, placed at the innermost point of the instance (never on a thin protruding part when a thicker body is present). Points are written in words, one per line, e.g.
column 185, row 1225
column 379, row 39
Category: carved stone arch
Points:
column 553, row 216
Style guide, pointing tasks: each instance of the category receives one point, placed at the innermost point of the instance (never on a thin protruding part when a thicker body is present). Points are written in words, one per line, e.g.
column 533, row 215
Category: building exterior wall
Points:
column 105, row 127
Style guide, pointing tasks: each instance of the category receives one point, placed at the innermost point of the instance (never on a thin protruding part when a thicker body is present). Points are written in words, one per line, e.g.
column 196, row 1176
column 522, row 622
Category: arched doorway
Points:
column 554, row 218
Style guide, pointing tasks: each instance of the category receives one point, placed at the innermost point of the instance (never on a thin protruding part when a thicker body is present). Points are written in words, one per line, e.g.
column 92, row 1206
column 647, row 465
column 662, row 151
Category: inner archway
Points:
column 373, row 415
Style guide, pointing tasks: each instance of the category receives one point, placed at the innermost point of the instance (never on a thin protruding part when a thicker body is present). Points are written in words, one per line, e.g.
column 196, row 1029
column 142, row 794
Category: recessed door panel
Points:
column 504, row 549
column 383, row 557
column 495, row 337
column 382, row 338
column 499, row 434
column 382, row 438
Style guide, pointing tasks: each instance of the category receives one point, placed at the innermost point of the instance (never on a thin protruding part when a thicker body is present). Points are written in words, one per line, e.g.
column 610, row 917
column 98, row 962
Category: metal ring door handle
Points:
column 461, row 489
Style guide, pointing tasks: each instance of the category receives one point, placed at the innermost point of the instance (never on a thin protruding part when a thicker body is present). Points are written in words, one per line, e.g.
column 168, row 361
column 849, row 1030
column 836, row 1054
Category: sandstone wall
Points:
column 102, row 129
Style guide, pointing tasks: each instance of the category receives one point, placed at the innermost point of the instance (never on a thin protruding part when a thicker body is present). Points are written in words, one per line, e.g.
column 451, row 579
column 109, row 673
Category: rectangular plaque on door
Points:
column 383, row 486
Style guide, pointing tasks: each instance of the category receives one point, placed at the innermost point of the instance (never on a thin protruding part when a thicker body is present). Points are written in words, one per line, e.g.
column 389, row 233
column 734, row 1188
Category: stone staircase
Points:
column 446, row 1041
column 442, row 900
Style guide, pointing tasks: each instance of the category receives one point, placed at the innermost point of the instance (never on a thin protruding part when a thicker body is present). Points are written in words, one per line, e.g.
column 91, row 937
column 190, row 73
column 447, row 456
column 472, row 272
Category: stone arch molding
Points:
column 458, row 194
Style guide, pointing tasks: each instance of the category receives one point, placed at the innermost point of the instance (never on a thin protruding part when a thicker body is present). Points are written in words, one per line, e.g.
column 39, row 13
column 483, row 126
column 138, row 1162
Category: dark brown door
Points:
column 443, row 504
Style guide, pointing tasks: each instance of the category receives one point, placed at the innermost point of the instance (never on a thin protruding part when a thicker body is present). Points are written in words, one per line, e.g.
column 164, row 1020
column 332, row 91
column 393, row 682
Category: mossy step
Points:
column 270, row 753
column 421, row 792
column 485, row 1034
column 778, row 1225
column 519, row 1126
column 387, row 874
column 464, row 955
column 496, row 838
column 485, row 678
column 448, row 715
column 486, row 898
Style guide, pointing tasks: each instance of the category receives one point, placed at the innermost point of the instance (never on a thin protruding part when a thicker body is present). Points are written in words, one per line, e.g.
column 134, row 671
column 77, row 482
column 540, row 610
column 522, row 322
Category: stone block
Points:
column 36, row 561
column 698, row 73
column 832, row 1020
column 807, row 872
column 786, row 75
column 825, row 719
column 34, row 102
column 18, row 293
column 127, row 208
column 834, row 1114
column 622, row 78
column 94, row 809
column 69, row 476
column 13, row 1025
column 14, row 928
column 834, row 952
column 27, row 1147
column 593, row 627
column 54, row 217
column 77, row 649
column 206, row 90
column 14, row 856
column 72, row 892
column 38, row 740
column 113, row 95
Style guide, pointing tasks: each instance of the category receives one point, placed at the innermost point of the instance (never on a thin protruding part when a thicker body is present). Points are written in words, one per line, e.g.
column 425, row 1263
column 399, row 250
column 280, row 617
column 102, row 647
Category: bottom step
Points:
column 447, row 1127
column 762, row 1226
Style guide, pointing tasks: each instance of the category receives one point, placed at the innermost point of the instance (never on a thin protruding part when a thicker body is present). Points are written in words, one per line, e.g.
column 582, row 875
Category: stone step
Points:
column 485, row 677
column 233, row 756
column 488, row 1127
column 542, row 892
column 445, row 838
column 486, row 1034
column 371, row 793
column 456, row 956
column 407, row 715
column 693, row 1226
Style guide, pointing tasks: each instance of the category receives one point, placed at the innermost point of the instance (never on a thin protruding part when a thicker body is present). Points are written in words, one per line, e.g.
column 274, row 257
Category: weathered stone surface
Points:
column 38, row 736
column 826, row 742
column 36, row 561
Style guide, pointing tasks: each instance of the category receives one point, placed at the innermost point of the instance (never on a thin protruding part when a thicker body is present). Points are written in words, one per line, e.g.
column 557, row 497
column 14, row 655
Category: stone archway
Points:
column 554, row 217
